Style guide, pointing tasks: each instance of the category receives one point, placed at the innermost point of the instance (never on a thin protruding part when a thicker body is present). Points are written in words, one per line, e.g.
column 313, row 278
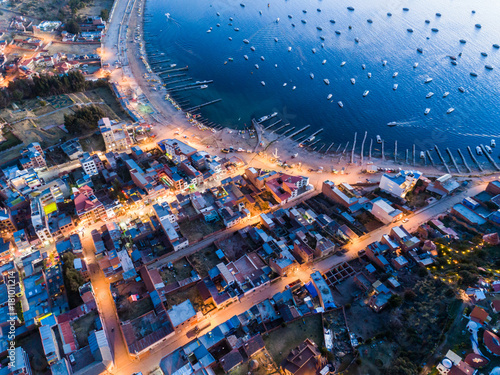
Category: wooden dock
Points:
column 488, row 156
column 363, row 147
column 203, row 105
column 353, row 146
column 452, row 159
column 464, row 161
column 442, row 159
column 299, row 131
column 270, row 126
column 430, row 158
column 474, row 158
column 172, row 70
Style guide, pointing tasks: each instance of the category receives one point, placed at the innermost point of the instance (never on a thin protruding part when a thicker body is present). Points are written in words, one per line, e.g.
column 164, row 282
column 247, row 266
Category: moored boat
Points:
column 329, row 97
column 450, row 110
column 446, row 94
column 341, row 105
column 327, row 82
column 392, row 123
column 366, row 93
column 379, row 140
column 429, row 95
column 427, row 110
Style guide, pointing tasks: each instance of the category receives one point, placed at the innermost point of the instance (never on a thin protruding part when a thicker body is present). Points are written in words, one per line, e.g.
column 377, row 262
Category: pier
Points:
column 363, row 147
column 203, row 105
column 488, row 156
column 452, row 159
column 315, row 134
column 323, row 145
column 430, row 158
column 281, row 127
column 442, row 159
column 273, row 124
column 383, row 154
column 395, row 151
column 353, row 146
column 329, row 147
column 172, row 70
column 370, row 153
column 189, row 86
column 258, row 129
column 299, row 131
column 158, row 62
column 288, row 130
column 178, row 81
column 474, row 158
column 175, row 76
column 464, row 161
column 414, row 154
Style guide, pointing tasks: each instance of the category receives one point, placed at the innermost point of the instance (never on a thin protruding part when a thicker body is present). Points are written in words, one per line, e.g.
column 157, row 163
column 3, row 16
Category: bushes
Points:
column 85, row 119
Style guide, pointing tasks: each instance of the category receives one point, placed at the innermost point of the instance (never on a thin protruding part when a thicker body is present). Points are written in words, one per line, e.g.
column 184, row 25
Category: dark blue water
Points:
column 476, row 118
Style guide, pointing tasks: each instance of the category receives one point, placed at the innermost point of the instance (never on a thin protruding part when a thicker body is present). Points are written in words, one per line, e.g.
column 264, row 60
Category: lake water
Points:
column 476, row 119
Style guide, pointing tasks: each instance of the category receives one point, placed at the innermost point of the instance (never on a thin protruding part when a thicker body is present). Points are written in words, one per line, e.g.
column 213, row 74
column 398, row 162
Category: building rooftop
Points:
column 180, row 313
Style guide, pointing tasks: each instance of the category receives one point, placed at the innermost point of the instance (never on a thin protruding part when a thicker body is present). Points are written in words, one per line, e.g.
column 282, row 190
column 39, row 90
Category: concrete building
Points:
column 182, row 315
column 444, row 185
column 88, row 164
column 88, row 208
column 115, row 135
column 384, row 212
column 177, row 150
column 6, row 223
column 33, row 157
column 343, row 194
column 400, row 184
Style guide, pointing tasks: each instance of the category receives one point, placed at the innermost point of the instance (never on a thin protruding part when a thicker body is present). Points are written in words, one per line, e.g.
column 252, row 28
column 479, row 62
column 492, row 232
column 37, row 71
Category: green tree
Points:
column 395, row 301
column 104, row 14
column 72, row 27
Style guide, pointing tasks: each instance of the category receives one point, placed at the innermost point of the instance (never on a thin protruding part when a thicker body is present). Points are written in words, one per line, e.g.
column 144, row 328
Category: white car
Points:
column 406, row 220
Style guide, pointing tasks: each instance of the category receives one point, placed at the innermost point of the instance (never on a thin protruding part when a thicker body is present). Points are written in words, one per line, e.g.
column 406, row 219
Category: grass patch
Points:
column 195, row 230
column 281, row 341
column 10, row 140
column 204, row 260
column 82, row 328
column 132, row 310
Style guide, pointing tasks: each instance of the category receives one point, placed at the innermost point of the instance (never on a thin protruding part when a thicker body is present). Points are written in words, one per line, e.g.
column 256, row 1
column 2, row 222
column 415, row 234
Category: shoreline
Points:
column 171, row 119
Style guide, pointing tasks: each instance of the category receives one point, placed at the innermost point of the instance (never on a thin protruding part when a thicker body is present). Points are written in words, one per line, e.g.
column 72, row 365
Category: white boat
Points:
column 263, row 118
column 395, row 86
column 415, row 65
column 209, row 30
column 450, row 110
column 252, row 48
column 488, row 149
column 353, row 81
column 314, row 50
column 256, row 66
column 275, row 65
column 461, row 89
column 289, row 49
column 428, row 80
column 369, row 75
column 167, row 15
column 327, row 82
column 245, row 57
column 429, row 95
column 341, row 105
column 379, row 140
column 284, row 84
column 246, row 41
column 294, row 87
column 493, row 143
column 478, row 150
column 298, row 68
column 276, row 40
column 262, row 58
column 422, row 155
column 446, row 94
column 395, row 75
column 324, row 62
column 427, row 110
column 392, row 123
column 236, row 29
column 311, row 75
column 203, row 87
column 277, row 20
column 262, row 83
column 230, row 38
column 329, row 97
column 366, row 93
column 384, row 62
column 342, row 63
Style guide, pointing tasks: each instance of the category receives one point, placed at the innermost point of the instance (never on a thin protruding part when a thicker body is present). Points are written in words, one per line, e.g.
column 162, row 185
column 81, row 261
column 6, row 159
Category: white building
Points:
column 400, row 184
column 384, row 212
column 88, row 165
column 39, row 221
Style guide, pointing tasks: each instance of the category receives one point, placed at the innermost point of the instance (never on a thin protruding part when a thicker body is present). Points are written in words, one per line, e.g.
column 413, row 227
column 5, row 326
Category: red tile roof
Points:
column 492, row 342
column 479, row 315
column 476, row 361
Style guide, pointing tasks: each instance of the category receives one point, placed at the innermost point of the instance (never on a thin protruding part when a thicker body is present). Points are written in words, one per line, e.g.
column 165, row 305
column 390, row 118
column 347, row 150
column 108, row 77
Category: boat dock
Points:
column 353, row 147
column 270, row 126
column 442, row 159
column 488, row 156
column 430, row 158
column 178, row 81
column 202, row 105
column 288, row 130
column 329, row 147
column 452, row 159
column 172, row 70
column 299, row 131
column 159, row 62
column 464, row 161
column 474, row 158
column 189, row 86
column 281, row 127
column 363, row 147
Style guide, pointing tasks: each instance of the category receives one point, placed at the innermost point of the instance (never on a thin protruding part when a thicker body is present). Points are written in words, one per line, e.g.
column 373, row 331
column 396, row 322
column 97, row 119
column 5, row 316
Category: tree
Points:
column 467, row 278
column 73, row 27
column 402, row 366
column 104, row 14
column 395, row 301
column 85, row 119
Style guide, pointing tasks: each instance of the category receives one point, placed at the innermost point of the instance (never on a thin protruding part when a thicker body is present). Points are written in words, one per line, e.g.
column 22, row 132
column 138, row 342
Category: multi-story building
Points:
column 88, row 208
column 176, row 150
column 115, row 136
column 91, row 164
column 400, row 184
column 39, row 221
column 33, row 156
column 7, row 225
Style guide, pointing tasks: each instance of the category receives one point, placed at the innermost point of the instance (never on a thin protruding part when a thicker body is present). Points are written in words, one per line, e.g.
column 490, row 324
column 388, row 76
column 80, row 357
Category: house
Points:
column 491, row 342
column 479, row 315
column 6, row 223
column 400, row 184
column 343, row 194
column 324, row 291
column 384, row 211
column 88, row 208
column 91, row 164
column 33, row 156
column 231, row 360
column 176, row 150
column 305, row 359
column 116, row 136
column 182, row 315
column 443, row 185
